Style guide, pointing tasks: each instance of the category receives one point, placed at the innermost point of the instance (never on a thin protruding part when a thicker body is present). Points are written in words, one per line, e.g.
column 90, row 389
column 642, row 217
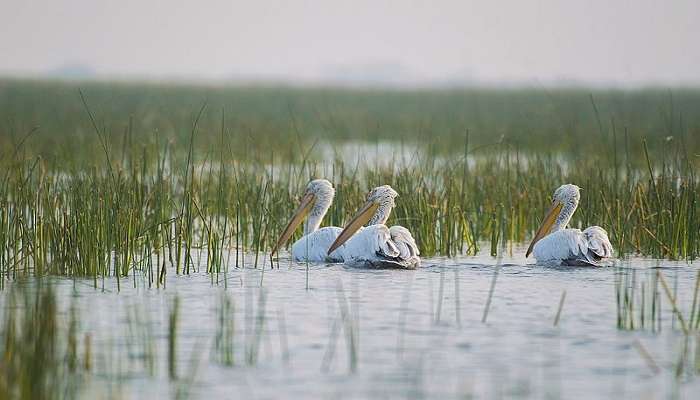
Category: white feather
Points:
column 314, row 246
column 598, row 243
column 573, row 247
column 381, row 247
column 404, row 241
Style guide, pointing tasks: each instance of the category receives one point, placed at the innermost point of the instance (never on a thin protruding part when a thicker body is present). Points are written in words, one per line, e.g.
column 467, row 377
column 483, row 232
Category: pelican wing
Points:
column 404, row 242
column 314, row 246
column 599, row 246
column 574, row 248
column 378, row 246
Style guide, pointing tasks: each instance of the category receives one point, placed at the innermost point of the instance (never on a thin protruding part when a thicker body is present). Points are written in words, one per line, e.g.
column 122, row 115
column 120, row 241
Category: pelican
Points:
column 313, row 246
column 554, row 244
column 375, row 244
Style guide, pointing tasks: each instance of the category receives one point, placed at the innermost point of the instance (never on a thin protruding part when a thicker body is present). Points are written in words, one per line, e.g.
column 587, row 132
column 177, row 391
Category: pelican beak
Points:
column 547, row 223
column 306, row 202
column 361, row 218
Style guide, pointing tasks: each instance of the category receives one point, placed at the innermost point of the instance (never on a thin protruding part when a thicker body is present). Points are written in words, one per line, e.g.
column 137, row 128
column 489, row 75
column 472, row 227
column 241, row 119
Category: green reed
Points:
column 40, row 355
column 47, row 353
column 154, row 191
column 641, row 295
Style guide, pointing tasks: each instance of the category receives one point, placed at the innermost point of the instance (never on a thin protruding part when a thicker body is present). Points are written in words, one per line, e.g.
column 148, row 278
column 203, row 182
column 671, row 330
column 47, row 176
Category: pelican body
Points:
column 556, row 245
column 375, row 245
column 313, row 246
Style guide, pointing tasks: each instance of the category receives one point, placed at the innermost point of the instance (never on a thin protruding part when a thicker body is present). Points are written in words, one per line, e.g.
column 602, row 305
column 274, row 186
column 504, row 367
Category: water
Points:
column 325, row 156
column 412, row 339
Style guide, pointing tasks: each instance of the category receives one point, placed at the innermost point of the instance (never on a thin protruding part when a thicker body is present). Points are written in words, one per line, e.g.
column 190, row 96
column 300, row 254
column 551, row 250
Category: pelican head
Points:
column 564, row 203
column 376, row 210
column 317, row 198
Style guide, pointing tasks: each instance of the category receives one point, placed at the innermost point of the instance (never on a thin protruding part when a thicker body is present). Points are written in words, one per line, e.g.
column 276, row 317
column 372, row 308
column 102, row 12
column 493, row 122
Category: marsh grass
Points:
column 84, row 225
column 640, row 296
column 105, row 188
column 48, row 352
column 40, row 353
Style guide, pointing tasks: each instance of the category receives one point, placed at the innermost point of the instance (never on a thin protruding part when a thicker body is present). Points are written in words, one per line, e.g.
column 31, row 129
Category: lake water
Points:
column 355, row 333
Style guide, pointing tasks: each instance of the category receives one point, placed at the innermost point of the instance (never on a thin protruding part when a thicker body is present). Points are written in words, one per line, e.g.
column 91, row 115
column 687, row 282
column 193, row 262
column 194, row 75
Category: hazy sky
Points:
column 590, row 41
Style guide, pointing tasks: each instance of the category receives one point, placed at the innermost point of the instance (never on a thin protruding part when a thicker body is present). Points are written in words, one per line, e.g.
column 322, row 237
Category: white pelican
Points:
column 377, row 245
column 313, row 246
column 554, row 244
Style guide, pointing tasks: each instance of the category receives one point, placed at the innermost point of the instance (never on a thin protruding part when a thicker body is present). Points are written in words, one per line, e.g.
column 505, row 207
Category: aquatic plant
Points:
column 40, row 355
column 122, row 180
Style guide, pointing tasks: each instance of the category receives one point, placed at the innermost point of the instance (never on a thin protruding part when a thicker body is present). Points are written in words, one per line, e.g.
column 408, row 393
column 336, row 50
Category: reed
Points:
column 40, row 353
column 639, row 302
column 153, row 191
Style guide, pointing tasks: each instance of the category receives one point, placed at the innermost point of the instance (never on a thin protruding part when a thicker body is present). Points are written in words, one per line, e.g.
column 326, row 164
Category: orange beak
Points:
column 361, row 218
column 546, row 225
column 301, row 212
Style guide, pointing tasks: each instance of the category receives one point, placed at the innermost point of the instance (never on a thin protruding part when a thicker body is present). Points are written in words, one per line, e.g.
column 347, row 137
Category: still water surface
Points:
column 357, row 333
